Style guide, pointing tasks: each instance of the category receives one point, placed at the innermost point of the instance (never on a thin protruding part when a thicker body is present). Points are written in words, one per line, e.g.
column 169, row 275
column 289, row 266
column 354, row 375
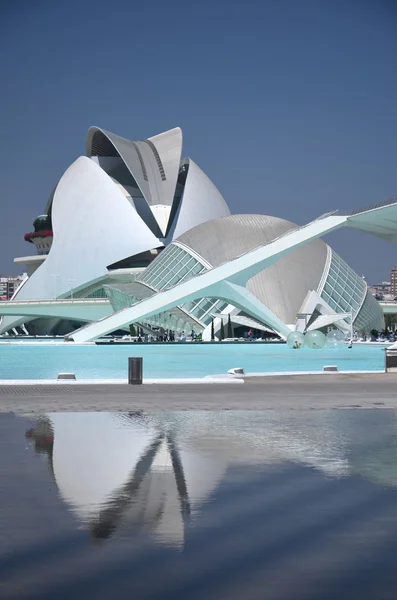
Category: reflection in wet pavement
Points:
column 295, row 505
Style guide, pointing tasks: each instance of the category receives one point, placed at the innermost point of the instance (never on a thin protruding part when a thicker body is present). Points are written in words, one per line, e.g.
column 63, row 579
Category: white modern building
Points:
column 111, row 213
column 134, row 233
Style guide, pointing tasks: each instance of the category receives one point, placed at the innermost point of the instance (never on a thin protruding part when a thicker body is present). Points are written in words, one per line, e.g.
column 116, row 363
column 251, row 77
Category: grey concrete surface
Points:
column 292, row 392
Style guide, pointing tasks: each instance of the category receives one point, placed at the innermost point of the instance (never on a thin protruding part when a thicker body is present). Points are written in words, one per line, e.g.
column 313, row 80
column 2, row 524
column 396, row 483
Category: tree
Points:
column 222, row 330
column 132, row 330
column 212, row 331
column 229, row 327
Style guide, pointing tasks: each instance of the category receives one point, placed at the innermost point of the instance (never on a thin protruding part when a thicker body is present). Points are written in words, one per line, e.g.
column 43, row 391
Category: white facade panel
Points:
column 201, row 201
column 119, row 146
column 169, row 148
column 94, row 226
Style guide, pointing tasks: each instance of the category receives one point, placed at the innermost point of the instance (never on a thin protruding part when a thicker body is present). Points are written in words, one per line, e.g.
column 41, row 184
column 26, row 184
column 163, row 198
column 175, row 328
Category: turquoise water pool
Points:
column 23, row 361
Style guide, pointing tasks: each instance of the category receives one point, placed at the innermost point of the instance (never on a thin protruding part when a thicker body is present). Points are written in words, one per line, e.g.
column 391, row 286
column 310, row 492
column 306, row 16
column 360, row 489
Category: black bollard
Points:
column 135, row 368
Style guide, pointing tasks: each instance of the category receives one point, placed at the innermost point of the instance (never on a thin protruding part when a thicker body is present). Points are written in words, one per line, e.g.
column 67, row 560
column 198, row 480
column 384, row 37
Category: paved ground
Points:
column 261, row 393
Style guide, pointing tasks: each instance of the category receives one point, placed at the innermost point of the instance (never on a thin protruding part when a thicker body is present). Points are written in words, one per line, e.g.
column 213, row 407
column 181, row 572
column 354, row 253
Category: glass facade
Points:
column 173, row 266
column 370, row 316
column 205, row 308
column 119, row 299
column 175, row 319
column 344, row 290
column 99, row 293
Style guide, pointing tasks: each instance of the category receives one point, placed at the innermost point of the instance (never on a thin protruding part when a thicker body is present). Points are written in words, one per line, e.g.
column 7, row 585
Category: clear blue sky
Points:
column 290, row 106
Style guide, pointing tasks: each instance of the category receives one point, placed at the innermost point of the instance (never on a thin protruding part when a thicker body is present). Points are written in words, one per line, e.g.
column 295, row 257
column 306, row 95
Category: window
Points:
column 171, row 267
column 344, row 290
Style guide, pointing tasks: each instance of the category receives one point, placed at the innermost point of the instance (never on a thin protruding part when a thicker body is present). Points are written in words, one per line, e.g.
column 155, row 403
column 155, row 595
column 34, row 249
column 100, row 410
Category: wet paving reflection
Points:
column 299, row 504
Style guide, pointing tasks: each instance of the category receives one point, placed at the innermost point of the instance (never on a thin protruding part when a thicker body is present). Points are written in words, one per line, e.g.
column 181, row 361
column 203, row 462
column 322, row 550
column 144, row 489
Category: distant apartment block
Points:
column 393, row 281
column 9, row 285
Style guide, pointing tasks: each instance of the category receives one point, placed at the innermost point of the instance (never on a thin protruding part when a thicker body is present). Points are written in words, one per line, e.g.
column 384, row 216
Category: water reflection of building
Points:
column 337, row 442
column 152, row 473
column 117, row 471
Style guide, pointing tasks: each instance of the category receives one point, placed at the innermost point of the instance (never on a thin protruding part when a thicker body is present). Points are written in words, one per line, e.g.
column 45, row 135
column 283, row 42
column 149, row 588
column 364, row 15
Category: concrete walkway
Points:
column 326, row 391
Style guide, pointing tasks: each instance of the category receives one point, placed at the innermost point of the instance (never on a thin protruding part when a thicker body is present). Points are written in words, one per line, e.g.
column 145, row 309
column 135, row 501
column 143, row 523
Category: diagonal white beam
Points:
column 239, row 270
column 243, row 299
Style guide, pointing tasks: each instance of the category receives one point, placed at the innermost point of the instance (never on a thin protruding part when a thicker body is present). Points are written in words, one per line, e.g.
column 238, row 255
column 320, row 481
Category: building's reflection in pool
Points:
column 300, row 505
column 127, row 470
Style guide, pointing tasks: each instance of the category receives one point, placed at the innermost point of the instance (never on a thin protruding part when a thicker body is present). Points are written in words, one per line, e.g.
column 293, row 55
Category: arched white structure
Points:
column 125, row 198
column 94, row 226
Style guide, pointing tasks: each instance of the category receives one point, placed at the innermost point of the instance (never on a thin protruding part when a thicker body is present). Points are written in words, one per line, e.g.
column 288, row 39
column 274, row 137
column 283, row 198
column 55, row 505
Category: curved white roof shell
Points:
column 283, row 285
column 154, row 166
column 201, row 202
column 94, row 226
column 153, row 163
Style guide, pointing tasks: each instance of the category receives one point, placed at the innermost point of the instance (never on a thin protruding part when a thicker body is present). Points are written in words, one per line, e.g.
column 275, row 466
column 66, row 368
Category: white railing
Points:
column 55, row 301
